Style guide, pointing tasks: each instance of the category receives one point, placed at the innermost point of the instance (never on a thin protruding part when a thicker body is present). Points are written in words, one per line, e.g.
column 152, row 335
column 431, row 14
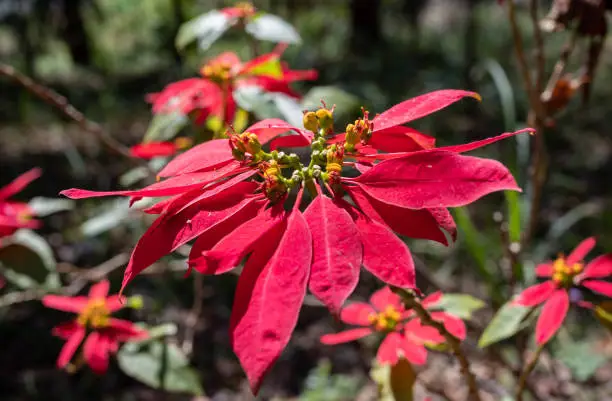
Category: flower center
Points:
column 563, row 273
column 218, row 71
column 244, row 9
column 359, row 131
column 386, row 320
column 95, row 315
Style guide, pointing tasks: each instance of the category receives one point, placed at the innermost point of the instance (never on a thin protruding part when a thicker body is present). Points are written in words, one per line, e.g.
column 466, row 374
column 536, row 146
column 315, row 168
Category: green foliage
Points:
column 204, row 30
column 159, row 364
column 27, row 261
column 322, row 385
column 460, row 305
column 347, row 104
column 42, row 207
column 506, row 322
column 272, row 28
column 581, row 358
column 164, row 127
column 395, row 383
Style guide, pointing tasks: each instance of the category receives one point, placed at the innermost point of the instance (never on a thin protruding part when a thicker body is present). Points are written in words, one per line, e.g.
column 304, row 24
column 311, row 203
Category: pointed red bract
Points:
column 600, row 287
column 434, row 179
column 409, row 222
column 599, row 267
column 269, row 296
column 544, row 270
column 579, row 253
column 15, row 215
column 336, row 252
column 206, row 156
column 536, row 294
column 169, row 232
column 552, row 315
column 420, row 106
column 345, row 336
column 357, row 313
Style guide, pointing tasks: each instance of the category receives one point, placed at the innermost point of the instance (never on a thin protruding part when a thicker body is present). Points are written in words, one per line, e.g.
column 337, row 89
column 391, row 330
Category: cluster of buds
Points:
column 96, row 314
column 246, row 146
column 386, row 320
column 320, row 122
column 274, row 186
column 219, row 71
column 244, row 10
column 359, row 132
column 563, row 273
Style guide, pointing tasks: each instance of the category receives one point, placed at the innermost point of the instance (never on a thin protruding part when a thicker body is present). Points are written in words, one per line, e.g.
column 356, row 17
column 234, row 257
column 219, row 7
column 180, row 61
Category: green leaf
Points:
column 271, row 68
column 476, row 244
column 241, row 120
column 28, row 261
column 159, row 365
column 460, row 305
column 133, row 175
column 395, row 383
column 45, row 206
column 347, row 105
column 269, row 105
column 113, row 215
column 272, row 28
column 164, row 127
column 581, row 358
column 205, row 29
column 506, row 322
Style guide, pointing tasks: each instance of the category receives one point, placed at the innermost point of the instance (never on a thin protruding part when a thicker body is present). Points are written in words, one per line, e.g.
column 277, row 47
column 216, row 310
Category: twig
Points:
column 18, row 297
column 559, row 68
column 60, row 103
column 539, row 45
column 439, row 392
column 411, row 302
column 526, row 371
column 97, row 273
column 194, row 314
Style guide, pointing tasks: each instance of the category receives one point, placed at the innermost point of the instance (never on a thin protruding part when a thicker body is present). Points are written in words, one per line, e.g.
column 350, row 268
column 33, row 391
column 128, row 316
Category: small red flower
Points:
column 404, row 333
column 566, row 275
column 205, row 96
column 149, row 150
column 15, row 215
column 94, row 324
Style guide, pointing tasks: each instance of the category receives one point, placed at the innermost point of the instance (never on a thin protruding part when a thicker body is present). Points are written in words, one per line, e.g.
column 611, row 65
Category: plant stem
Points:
column 539, row 46
column 59, row 102
column 526, row 371
column 411, row 302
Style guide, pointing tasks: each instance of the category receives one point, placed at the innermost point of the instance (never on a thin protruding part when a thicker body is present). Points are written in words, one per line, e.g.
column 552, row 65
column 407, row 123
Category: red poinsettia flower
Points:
column 149, row 150
column 405, row 335
column 229, row 196
column 566, row 276
column 207, row 95
column 240, row 10
column 94, row 324
column 15, row 215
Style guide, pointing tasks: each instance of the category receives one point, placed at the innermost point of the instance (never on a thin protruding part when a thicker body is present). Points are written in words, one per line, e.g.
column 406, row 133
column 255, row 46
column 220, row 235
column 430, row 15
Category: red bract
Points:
column 15, row 215
column 207, row 96
column 94, row 324
column 566, row 275
column 405, row 335
column 149, row 150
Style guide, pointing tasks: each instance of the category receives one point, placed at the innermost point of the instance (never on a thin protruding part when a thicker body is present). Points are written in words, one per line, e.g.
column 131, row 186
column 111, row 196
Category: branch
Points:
column 194, row 314
column 539, row 45
column 526, row 371
column 411, row 302
column 61, row 104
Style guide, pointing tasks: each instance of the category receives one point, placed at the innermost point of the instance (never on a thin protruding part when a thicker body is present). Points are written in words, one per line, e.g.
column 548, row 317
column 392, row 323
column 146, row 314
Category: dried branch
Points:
column 539, row 46
column 61, row 104
column 411, row 302
column 194, row 314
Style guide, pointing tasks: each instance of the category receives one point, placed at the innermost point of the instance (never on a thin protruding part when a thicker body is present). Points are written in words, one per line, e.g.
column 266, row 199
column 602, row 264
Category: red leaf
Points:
column 171, row 186
column 552, row 315
column 544, row 270
column 99, row 290
column 434, row 179
column 289, row 141
column 336, row 252
column 228, row 252
column 269, row 296
column 185, row 96
column 64, row 303
column 453, row 324
column 95, row 352
column 272, row 127
column 169, row 232
column 601, row 287
column 384, row 255
column 409, row 222
column 400, row 139
column 345, row 336
column 206, row 156
column 599, row 267
column 384, row 298
column 420, row 106
column 357, row 313
column 70, row 347
column 150, row 150
column 536, row 294
column 581, row 251
column 466, row 147
column 19, row 183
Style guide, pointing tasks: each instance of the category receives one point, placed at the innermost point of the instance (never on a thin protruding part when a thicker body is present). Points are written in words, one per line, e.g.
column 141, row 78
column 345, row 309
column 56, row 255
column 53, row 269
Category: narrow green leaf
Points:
column 460, row 305
column 164, row 127
column 159, row 365
column 272, row 28
column 205, row 29
column 402, row 379
column 506, row 322
column 271, row 68
column 476, row 244
column 42, row 206
column 581, row 358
